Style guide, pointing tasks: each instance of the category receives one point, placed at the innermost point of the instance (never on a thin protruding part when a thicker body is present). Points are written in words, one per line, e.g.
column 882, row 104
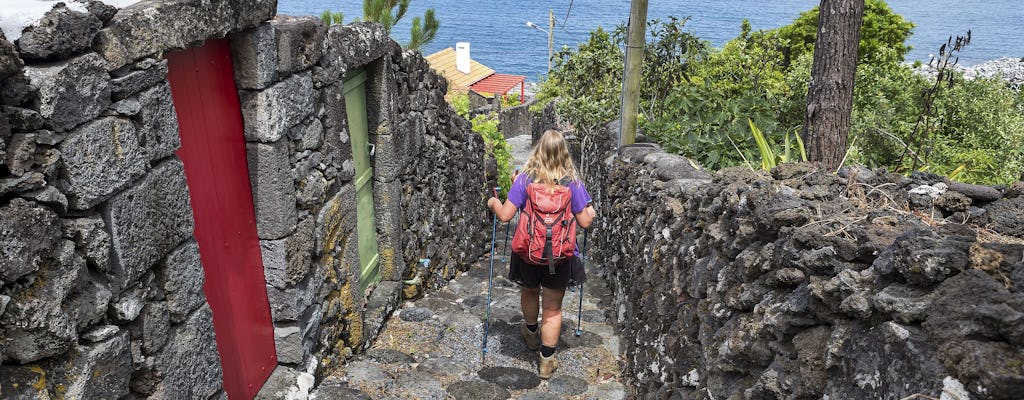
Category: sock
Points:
column 532, row 327
column 547, row 351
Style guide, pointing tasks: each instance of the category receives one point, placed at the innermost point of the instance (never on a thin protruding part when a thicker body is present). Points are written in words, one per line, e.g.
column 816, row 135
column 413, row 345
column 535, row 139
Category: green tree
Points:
column 881, row 29
column 388, row 13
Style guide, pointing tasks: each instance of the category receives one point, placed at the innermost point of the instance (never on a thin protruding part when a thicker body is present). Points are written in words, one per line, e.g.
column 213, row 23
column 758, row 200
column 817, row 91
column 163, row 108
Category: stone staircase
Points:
column 432, row 348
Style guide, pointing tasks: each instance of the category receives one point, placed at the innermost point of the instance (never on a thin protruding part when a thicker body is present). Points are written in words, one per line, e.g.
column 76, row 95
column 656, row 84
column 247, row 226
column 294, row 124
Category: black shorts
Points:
column 567, row 273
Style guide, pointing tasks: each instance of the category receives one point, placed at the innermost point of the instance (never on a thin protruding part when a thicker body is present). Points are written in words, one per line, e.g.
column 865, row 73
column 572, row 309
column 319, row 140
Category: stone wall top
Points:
column 155, row 26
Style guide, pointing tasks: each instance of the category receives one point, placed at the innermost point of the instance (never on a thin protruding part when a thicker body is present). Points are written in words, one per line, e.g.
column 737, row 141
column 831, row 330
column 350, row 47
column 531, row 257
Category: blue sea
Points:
column 500, row 39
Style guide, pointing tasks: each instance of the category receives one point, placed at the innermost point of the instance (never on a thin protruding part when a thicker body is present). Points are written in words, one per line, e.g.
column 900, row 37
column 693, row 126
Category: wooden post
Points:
column 632, row 71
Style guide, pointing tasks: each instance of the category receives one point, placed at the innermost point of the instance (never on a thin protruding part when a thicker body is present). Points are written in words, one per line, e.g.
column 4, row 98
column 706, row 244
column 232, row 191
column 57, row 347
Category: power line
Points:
column 566, row 14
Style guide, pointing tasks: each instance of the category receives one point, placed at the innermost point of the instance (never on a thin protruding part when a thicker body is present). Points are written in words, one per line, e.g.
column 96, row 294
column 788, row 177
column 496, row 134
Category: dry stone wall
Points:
column 804, row 284
column 101, row 289
column 101, row 282
column 427, row 182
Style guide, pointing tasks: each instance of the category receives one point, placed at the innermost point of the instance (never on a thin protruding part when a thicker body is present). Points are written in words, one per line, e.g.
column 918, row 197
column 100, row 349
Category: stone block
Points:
column 273, row 189
column 390, row 218
column 25, row 382
column 147, row 28
column 27, row 233
column 155, row 323
column 95, row 371
column 136, row 80
column 312, row 190
column 22, row 119
column 101, row 333
column 71, row 92
column 20, row 153
column 129, row 303
column 281, row 384
column 287, row 261
column 288, row 341
column 158, row 123
column 254, row 53
column 270, row 113
column 181, row 278
column 37, row 325
column 277, row 48
column 88, row 302
column 26, row 183
column 289, row 304
column 148, row 220
column 61, row 32
column 98, row 159
column 275, row 261
column 10, row 60
column 350, row 46
column 389, row 158
column 309, row 135
column 1005, row 216
column 299, row 42
column 91, row 239
column 189, row 361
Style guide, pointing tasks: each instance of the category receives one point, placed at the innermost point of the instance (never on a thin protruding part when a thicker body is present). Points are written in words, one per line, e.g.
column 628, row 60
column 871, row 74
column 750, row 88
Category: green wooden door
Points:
column 358, row 127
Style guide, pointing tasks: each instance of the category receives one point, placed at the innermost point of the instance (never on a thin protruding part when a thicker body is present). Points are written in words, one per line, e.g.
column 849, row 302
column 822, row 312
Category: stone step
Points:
column 432, row 349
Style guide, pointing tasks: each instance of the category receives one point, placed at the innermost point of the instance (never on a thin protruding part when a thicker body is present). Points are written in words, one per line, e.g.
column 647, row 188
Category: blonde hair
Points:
column 549, row 160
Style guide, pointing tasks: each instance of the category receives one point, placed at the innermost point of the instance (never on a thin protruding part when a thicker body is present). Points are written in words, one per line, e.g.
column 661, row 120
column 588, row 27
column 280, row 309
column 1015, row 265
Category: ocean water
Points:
column 500, row 39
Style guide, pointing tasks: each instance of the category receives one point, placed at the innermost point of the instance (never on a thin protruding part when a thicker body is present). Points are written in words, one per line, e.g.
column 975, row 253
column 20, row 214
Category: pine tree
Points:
column 384, row 12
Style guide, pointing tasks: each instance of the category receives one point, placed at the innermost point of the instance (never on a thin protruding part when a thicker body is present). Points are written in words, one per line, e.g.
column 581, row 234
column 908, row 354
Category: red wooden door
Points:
column 213, row 151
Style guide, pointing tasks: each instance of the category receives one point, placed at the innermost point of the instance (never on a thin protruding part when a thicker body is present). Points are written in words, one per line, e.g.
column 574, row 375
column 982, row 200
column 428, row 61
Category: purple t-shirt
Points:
column 580, row 196
column 517, row 193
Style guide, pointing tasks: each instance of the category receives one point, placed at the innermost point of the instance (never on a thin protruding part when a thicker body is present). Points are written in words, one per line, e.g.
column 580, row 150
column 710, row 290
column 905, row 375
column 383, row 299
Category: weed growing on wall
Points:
column 496, row 147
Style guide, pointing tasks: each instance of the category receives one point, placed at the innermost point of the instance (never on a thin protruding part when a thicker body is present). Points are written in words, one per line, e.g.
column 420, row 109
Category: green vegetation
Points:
column 496, row 146
column 707, row 103
column 388, row 13
column 883, row 34
column 460, row 103
column 333, row 18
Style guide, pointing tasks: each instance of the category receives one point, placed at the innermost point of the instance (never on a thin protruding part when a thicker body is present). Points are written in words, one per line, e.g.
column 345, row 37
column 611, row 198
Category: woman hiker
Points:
column 549, row 164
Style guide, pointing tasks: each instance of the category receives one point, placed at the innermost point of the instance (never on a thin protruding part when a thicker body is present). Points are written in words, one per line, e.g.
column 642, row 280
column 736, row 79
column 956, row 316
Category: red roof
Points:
column 498, row 83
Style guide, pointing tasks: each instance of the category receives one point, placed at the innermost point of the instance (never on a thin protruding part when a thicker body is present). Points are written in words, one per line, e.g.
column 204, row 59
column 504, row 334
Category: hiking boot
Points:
column 548, row 365
column 532, row 339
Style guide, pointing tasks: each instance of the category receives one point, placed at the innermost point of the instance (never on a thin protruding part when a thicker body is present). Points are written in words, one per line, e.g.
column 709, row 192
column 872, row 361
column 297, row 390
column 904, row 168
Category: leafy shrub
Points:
column 496, row 146
column 460, row 103
column 587, row 80
column 983, row 130
column 702, row 102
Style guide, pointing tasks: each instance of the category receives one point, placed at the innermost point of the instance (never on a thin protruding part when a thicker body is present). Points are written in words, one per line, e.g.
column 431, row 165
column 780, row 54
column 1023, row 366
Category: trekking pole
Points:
column 490, row 274
column 583, row 263
column 504, row 252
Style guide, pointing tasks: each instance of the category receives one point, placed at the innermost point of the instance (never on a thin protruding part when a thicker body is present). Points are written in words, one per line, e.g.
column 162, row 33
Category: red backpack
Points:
column 546, row 233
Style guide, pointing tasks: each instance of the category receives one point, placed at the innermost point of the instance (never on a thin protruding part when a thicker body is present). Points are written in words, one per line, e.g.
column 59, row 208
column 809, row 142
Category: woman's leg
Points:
column 529, row 301
column 551, row 324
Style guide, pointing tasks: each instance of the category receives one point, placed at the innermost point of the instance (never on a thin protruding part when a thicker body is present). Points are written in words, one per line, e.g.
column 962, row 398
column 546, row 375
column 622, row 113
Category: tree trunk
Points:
column 830, row 94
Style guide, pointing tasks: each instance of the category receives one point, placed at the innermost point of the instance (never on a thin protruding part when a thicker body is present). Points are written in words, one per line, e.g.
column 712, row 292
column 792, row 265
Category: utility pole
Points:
column 636, row 41
column 551, row 38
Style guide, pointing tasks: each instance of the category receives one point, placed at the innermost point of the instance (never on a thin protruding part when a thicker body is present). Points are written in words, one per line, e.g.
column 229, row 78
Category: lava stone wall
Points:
column 803, row 284
column 427, row 182
column 101, row 284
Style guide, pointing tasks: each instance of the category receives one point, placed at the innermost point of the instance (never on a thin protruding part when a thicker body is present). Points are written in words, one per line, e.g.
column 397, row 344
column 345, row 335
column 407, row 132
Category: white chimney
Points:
column 462, row 57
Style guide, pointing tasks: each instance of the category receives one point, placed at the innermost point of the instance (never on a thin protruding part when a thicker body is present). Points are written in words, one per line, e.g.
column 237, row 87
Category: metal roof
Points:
column 498, row 83
column 444, row 63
